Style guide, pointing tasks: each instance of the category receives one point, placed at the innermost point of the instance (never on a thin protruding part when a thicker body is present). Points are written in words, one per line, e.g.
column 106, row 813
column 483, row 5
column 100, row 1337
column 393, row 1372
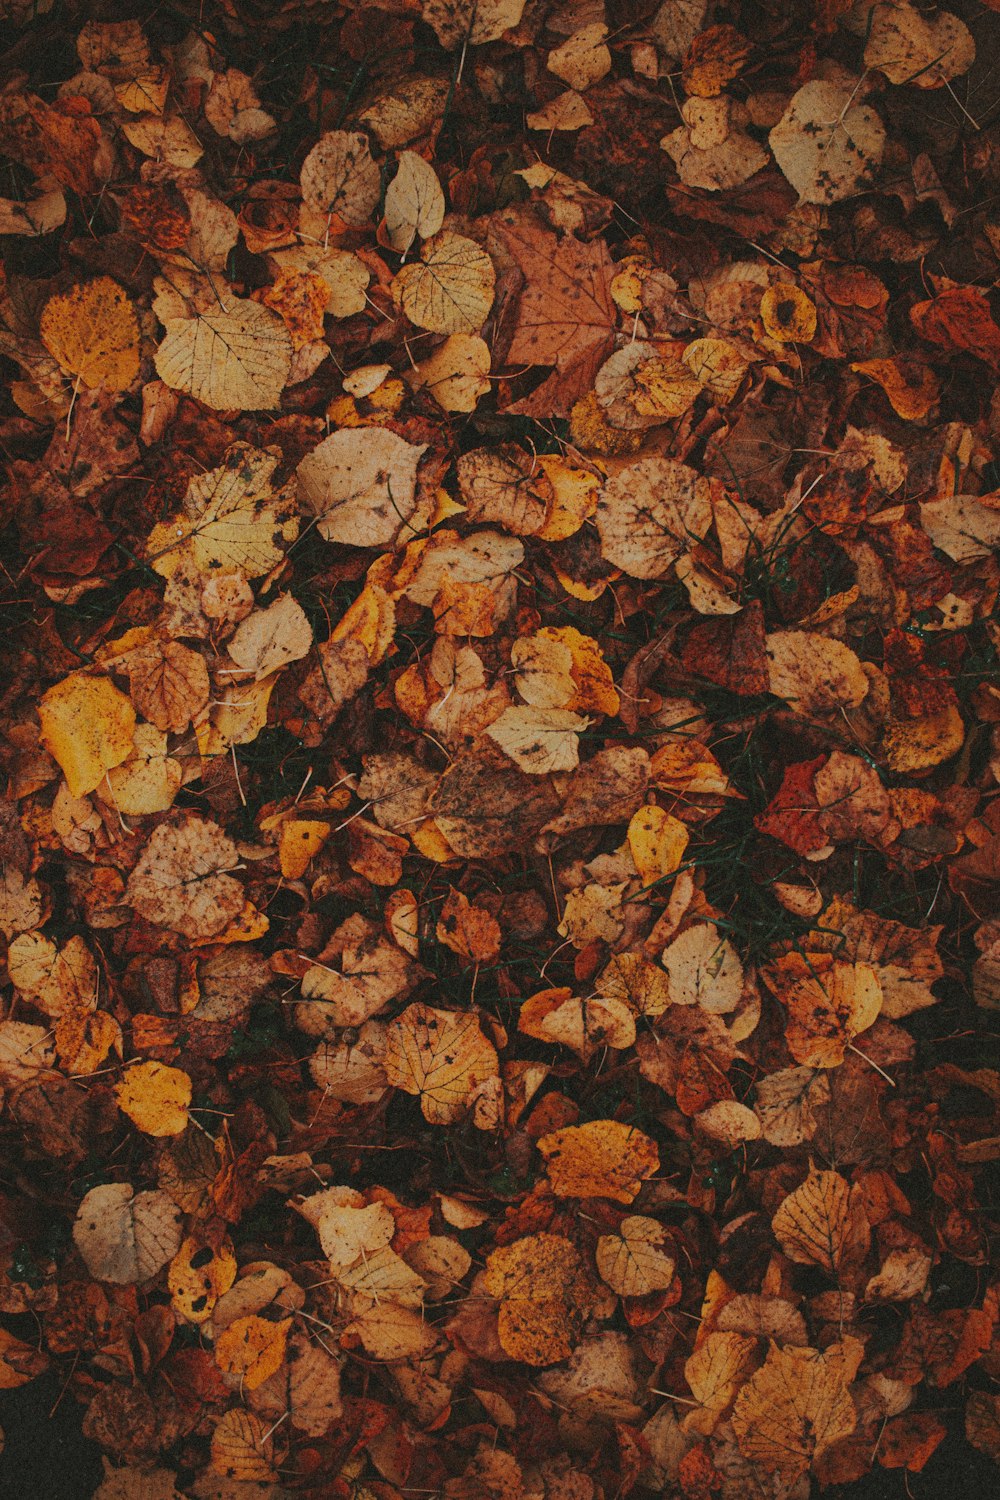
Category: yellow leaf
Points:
column 797, row 1406
column 442, row 1056
column 821, row 1222
column 450, row 289
column 602, row 1159
column 911, row 386
column 83, row 1041
column 917, row 744
column 93, row 333
column 657, row 841
column 814, row 674
column 455, row 375
column 155, row 1098
column 198, row 1276
column 231, row 518
column 574, row 498
column 298, row 841
column 59, row 981
column 87, row 726
column 148, row 781
column 252, row 1348
column 788, row 314
column 715, row 1372
column 539, row 1283
column 718, row 365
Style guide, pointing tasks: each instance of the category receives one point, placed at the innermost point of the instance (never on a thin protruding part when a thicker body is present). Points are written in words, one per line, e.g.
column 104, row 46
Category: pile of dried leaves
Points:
column 500, row 844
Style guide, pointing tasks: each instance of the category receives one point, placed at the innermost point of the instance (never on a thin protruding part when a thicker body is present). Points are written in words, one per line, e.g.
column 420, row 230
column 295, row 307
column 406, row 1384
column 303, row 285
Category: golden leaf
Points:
column 440, row 1055
column 235, row 357
column 797, row 1406
column 155, row 1098
column 539, row 1282
column 601, row 1159
column 715, row 1372
column 87, row 726
column 198, row 1277
column 788, row 315
column 820, row 1222
column 252, row 1348
column 657, row 841
column 93, row 333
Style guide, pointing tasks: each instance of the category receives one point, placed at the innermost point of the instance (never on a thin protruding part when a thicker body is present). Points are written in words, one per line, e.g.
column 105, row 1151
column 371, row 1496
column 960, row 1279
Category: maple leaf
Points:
column 565, row 316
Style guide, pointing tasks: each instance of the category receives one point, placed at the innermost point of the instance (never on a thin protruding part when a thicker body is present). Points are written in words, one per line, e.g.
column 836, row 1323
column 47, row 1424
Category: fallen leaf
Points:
column 87, row 726
column 602, row 1159
column 155, row 1098
column 828, row 146
column 93, row 333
